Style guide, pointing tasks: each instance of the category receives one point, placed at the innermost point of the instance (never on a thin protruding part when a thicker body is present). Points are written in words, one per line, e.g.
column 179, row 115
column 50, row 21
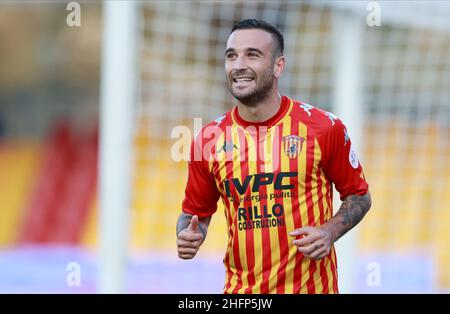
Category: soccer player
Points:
column 272, row 160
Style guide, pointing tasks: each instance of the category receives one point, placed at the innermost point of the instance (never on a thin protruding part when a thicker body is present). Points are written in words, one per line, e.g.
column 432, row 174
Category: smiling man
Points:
column 272, row 160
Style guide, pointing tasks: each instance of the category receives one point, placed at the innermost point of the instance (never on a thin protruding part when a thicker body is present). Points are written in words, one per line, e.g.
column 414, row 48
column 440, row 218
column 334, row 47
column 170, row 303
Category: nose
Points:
column 239, row 63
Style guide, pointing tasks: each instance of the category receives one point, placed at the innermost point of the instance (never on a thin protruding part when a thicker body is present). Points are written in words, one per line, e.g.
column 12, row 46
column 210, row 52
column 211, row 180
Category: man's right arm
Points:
column 191, row 232
column 201, row 196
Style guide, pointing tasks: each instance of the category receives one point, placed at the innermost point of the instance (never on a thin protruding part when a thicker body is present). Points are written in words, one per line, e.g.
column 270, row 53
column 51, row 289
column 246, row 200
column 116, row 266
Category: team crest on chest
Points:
column 292, row 145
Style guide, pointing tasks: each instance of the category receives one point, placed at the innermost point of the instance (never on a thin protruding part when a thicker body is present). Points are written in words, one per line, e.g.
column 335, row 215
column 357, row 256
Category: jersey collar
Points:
column 284, row 108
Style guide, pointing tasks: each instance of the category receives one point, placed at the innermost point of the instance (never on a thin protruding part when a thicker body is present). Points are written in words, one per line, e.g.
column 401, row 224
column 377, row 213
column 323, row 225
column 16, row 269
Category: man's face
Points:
column 249, row 65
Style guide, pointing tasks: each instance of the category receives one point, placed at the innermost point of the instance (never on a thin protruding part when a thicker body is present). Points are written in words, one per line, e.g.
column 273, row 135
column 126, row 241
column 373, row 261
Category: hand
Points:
column 189, row 239
column 315, row 245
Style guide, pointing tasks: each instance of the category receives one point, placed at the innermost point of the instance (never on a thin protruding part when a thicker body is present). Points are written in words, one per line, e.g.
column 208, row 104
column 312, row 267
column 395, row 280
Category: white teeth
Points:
column 244, row 79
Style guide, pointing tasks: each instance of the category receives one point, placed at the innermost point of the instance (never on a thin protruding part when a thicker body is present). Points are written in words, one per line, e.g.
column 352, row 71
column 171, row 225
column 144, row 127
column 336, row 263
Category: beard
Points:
column 255, row 95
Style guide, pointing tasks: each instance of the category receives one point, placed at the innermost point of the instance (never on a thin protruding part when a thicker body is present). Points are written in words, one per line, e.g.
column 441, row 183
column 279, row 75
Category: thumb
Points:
column 193, row 225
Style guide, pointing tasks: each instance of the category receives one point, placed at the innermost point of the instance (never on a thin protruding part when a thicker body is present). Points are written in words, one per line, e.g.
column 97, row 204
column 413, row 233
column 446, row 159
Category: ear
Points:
column 278, row 66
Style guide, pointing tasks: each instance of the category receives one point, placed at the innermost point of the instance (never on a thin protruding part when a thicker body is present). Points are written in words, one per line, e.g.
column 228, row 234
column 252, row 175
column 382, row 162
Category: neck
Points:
column 262, row 111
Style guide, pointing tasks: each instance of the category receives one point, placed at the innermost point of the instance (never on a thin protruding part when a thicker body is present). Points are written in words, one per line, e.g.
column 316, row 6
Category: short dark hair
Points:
column 266, row 26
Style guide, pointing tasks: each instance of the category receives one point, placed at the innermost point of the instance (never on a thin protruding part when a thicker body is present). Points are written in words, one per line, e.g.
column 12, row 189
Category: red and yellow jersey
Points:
column 273, row 177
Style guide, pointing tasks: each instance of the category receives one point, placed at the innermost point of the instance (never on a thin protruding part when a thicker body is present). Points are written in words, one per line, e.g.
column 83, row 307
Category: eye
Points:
column 253, row 55
column 230, row 56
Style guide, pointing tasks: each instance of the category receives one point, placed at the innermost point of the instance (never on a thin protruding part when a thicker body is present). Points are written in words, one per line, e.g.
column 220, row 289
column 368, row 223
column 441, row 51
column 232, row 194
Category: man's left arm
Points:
column 317, row 241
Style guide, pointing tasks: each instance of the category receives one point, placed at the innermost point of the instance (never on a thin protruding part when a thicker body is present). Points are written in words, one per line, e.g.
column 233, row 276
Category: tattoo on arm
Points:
column 183, row 222
column 352, row 211
column 203, row 230
column 185, row 219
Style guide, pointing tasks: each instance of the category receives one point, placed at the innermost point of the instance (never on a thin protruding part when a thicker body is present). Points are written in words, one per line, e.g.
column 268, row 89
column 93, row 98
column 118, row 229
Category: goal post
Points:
column 118, row 97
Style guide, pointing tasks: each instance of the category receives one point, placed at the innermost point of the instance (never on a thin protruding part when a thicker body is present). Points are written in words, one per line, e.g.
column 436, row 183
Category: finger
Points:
column 322, row 255
column 300, row 231
column 188, row 244
column 185, row 256
column 187, row 250
column 190, row 236
column 308, row 250
column 326, row 253
column 306, row 240
column 319, row 254
column 193, row 225
column 185, row 243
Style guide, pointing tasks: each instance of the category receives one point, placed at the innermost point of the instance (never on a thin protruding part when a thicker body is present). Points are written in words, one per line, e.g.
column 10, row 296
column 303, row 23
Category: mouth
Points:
column 243, row 79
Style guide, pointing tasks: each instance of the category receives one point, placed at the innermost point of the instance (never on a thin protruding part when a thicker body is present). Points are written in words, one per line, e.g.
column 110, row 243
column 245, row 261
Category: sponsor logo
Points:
column 258, row 218
column 353, row 159
column 254, row 182
column 227, row 147
column 346, row 137
column 331, row 116
column 219, row 119
column 307, row 108
column 260, row 215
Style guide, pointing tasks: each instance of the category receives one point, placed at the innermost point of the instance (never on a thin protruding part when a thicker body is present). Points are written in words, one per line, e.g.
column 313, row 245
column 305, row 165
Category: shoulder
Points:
column 213, row 129
column 317, row 120
column 205, row 139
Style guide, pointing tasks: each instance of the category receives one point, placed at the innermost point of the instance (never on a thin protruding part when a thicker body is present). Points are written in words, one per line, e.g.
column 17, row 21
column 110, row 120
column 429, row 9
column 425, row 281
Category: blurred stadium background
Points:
column 49, row 141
